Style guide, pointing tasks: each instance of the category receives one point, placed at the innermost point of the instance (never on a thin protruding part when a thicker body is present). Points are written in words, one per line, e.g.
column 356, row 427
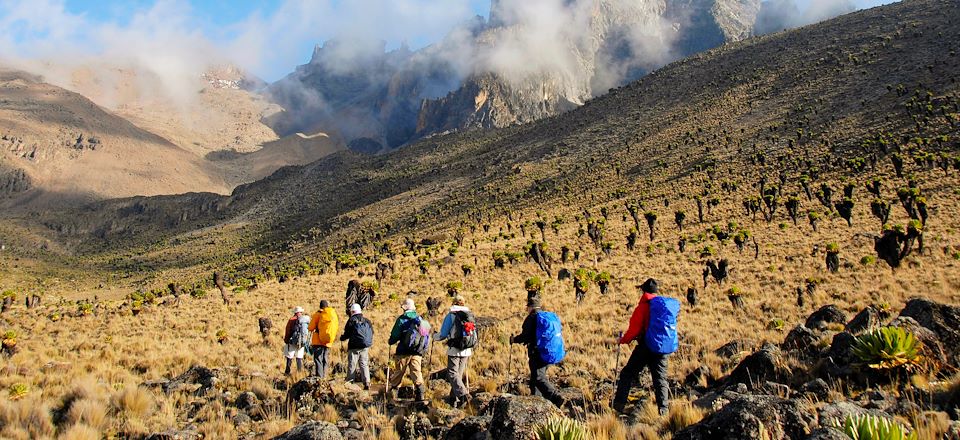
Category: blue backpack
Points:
column 661, row 334
column 549, row 338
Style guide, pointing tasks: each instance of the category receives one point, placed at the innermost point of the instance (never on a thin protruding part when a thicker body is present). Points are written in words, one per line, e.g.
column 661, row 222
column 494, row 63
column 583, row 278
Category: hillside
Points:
column 652, row 140
column 796, row 192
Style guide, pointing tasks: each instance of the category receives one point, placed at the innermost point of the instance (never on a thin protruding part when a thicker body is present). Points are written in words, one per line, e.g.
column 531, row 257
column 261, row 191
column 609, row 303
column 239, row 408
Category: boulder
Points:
column 868, row 319
column 195, row 375
column 827, row 434
column 751, row 416
column 415, row 426
column 734, row 348
column 839, row 358
column 826, row 315
column 933, row 349
column 801, row 339
column 515, row 417
column 765, row 365
column 312, row 431
column 246, row 400
column 942, row 319
column 817, row 390
column 174, row 435
column 470, row 428
column 839, row 411
column 697, row 378
column 308, row 395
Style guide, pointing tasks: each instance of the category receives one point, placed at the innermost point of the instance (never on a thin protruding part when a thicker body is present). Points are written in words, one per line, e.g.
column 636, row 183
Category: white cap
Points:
column 355, row 309
column 298, row 309
column 408, row 305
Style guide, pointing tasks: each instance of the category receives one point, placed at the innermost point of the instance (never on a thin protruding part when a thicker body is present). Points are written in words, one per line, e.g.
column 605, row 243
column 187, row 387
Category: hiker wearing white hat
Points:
column 295, row 339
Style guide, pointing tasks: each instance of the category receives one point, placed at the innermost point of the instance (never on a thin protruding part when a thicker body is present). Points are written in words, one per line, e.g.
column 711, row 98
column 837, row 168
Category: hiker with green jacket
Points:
column 411, row 333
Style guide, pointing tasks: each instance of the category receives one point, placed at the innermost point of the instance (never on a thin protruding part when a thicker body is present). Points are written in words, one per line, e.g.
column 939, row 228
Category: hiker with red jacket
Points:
column 540, row 384
column 645, row 356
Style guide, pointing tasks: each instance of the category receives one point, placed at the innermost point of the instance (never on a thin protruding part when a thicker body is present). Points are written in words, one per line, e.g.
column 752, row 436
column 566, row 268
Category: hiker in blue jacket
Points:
column 540, row 384
column 642, row 357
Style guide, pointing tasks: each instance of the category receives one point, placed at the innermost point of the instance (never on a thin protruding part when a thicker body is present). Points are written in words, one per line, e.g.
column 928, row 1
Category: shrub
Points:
column 533, row 284
column 18, row 391
column 454, row 287
column 888, row 348
column 870, row 427
column 560, row 428
column 868, row 260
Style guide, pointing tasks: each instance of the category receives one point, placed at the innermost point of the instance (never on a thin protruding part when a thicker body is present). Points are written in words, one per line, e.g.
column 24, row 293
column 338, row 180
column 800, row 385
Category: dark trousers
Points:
column 642, row 358
column 540, row 384
column 321, row 357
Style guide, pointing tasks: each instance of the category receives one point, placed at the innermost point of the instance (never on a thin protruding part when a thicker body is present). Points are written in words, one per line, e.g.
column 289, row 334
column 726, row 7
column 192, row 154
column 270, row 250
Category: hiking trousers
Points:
column 540, row 384
column 456, row 371
column 321, row 358
column 407, row 365
column 642, row 358
column 358, row 365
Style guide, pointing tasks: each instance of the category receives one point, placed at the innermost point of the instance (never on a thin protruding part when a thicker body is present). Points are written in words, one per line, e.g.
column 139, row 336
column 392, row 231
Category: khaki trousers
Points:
column 408, row 364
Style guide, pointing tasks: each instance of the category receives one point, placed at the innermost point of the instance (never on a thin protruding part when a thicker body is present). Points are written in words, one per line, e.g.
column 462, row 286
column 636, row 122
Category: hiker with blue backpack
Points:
column 541, row 333
column 359, row 336
column 654, row 327
column 295, row 338
column 411, row 333
column 459, row 329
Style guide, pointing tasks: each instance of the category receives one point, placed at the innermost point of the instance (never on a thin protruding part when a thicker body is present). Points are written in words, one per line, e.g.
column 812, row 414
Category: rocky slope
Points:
column 463, row 82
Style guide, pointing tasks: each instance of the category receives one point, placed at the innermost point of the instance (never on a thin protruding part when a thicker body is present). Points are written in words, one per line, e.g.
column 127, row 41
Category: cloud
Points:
column 777, row 15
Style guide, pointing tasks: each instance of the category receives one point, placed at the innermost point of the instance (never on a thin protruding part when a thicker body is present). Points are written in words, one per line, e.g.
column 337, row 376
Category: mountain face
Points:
column 498, row 73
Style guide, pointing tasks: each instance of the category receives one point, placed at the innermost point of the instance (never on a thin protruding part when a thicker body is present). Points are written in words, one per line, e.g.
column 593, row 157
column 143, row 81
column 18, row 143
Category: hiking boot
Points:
column 664, row 411
column 420, row 392
column 620, row 408
column 366, row 387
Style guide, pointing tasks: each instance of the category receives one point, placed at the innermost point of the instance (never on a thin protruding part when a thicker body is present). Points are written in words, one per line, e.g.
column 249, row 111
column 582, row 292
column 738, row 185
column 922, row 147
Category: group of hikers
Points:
column 653, row 325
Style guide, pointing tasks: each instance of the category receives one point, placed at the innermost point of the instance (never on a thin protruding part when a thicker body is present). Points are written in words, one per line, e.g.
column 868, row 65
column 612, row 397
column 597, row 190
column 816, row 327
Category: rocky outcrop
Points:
column 749, row 416
column 942, row 319
column 312, row 431
column 826, row 315
column 766, row 364
column 514, row 417
column 470, row 428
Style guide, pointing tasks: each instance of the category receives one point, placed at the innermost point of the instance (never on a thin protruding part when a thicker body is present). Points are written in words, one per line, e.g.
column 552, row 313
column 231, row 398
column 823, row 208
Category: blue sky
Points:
column 267, row 37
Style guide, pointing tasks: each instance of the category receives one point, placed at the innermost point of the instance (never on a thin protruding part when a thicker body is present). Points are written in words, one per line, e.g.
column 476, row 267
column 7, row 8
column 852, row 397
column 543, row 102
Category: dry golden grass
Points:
column 98, row 362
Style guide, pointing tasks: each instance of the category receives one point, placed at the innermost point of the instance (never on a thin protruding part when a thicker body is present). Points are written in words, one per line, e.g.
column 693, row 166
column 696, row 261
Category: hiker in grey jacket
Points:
column 457, row 358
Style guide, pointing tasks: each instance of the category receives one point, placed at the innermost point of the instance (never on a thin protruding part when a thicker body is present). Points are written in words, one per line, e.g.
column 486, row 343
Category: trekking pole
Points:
column 510, row 362
column 386, row 391
column 343, row 362
column 430, row 360
column 617, row 367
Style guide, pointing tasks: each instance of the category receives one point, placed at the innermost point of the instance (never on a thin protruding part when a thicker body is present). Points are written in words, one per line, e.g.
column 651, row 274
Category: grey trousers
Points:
column 321, row 358
column 642, row 358
column 456, row 371
column 358, row 365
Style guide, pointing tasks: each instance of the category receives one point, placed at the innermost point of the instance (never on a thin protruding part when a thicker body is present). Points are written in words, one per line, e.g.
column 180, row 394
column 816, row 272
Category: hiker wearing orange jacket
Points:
column 642, row 357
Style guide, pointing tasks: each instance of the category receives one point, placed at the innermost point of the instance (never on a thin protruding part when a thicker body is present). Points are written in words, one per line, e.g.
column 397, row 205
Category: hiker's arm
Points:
column 314, row 320
column 394, row 333
column 527, row 332
column 637, row 324
column 445, row 328
column 346, row 331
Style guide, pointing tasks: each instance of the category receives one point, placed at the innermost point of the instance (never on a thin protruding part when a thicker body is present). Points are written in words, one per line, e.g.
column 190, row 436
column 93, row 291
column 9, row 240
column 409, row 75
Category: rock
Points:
column 751, row 417
column 480, row 401
column 514, row 417
column 933, row 350
column 827, row 434
column 942, row 319
column 840, row 356
column 241, row 419
column 828, row 314
column 839, row 411
column 764, row 365
column 415, row 426
column 470, row 428
column 245, row 400
column 866, row 320
column 174, row 435
column 697, row 378
column 817, row 389
column 196, row 375
column 776, row 389
column 802, row 339
column 353, row 434
column 309, row 394
column 734, row 348
column 312, row 431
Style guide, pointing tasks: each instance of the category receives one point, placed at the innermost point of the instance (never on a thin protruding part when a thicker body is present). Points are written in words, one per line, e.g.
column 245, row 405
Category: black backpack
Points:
column 363, row 333
column 464, row 332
